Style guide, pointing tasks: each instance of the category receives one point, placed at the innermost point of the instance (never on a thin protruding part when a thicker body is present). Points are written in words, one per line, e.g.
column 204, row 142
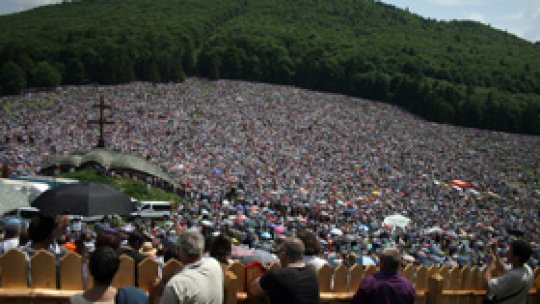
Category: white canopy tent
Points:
column 397, row 220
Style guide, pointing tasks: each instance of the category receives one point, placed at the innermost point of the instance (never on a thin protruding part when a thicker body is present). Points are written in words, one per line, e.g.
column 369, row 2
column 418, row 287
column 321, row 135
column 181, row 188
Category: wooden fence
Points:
column 52, row 284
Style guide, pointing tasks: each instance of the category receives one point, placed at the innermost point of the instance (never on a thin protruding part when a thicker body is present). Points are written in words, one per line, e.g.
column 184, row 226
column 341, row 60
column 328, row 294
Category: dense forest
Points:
column 458, row 72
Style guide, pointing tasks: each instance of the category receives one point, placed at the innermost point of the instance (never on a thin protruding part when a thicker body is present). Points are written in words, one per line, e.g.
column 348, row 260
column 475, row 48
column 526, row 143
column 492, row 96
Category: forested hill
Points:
column 464, row 73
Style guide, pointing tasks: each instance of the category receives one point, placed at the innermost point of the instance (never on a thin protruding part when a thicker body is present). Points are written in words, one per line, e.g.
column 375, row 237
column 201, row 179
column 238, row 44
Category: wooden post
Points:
column 340, row 279
column 125, row 276
column 13, row 265
column 148, row 273
column 454, row 282
column 230, row 287
column 356, row 274
column 170, row 269
column 371, row 269
column 410, row 273
column 71, row 272
column 43, row 270
column 435, row 289
column 325, row 278
column 422, row 278
column 239, row 271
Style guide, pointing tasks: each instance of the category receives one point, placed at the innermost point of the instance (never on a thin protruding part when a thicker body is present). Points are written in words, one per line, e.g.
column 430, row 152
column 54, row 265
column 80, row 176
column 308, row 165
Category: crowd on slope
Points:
column 263, row 161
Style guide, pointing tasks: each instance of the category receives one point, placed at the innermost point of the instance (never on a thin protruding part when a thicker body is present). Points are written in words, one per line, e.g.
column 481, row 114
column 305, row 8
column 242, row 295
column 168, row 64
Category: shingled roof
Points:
column 109, row 159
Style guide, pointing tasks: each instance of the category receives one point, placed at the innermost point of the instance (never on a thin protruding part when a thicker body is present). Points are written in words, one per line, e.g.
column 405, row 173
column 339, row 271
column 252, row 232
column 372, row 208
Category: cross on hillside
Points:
column 101, row 121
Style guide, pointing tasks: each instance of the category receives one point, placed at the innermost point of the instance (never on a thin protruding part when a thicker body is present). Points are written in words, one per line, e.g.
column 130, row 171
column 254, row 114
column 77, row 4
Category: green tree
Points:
column 75, row 72
column 44, row 75
column 12, row 78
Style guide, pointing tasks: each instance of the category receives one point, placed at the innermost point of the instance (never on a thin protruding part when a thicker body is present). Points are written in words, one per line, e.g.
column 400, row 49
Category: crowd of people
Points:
column 262, row 161
column 205, row 261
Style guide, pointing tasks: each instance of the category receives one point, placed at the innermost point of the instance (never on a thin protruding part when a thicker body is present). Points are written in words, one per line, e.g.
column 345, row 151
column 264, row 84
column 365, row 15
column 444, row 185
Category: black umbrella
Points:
column 85, row 199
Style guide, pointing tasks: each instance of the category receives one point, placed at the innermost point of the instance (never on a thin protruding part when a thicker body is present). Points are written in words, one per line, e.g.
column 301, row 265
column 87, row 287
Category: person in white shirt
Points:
column 200, row 280
column 513, row 285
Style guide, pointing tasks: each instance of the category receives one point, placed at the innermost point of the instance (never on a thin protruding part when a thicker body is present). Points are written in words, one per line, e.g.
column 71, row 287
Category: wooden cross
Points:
column 101, row 121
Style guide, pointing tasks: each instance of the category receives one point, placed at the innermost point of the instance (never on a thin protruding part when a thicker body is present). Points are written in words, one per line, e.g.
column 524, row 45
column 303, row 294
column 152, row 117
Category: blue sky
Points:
column 519, row 17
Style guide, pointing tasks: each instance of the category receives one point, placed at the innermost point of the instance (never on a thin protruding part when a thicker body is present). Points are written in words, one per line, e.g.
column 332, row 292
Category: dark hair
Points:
column 40, row 228
column 221, row 248
column 294, row 248
column 136, row 237
column 311, row 243
column 522, row 250
column 390, row 260
column 208, row 241
column 106, row 238
column 104, row 263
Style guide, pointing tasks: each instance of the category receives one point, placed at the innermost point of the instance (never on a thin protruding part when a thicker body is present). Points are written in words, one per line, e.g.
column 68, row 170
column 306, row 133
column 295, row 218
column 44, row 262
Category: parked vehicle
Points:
column 22, row 212
column 152, row 210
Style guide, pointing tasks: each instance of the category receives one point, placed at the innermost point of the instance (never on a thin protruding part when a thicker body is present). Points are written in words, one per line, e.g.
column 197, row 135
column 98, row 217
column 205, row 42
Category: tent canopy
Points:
column 397, row 220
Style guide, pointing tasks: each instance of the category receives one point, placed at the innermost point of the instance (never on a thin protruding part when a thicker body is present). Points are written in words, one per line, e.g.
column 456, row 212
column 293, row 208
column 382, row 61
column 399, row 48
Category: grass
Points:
column 135, row 189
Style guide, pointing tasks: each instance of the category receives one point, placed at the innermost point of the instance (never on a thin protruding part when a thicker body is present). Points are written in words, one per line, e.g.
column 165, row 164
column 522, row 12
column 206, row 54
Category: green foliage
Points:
column 45, row 75
column 12, row 78
column 459, row 72
column 135, row 189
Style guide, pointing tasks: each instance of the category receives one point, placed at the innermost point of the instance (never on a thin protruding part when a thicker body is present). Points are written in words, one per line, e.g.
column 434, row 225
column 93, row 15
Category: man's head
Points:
column 12, row 227
column 135, row 240
column 221, row 248
column 311, row 243
column 519, row 253
column 41, row 229
column 190, row 246
column 390, row 260
column 104, row 263
column 291, row 251
column 108, row 237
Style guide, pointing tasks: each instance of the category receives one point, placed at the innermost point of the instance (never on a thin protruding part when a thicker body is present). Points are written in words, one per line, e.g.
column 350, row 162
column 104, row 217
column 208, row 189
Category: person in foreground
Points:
column 104, row 263
column 386, row 286
column 200, row 280
column 513, row 285
column 294, row 282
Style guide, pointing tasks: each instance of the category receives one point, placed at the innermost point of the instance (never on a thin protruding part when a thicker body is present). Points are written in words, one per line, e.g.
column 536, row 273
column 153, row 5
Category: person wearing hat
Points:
column 148, row 250
column 12, row 228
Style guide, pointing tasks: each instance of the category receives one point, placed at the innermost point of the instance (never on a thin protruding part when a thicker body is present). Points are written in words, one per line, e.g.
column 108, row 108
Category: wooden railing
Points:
column 435, row 285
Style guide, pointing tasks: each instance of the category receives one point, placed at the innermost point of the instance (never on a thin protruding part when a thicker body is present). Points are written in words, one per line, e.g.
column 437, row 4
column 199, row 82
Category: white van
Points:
column 22, row 212
column 152, row 210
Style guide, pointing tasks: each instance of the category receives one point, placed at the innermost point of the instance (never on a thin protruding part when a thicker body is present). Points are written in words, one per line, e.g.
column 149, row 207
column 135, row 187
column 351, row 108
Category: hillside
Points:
column 463, row 73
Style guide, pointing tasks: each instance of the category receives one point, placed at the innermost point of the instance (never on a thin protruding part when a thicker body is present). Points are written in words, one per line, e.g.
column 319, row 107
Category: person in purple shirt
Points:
column 386, row 286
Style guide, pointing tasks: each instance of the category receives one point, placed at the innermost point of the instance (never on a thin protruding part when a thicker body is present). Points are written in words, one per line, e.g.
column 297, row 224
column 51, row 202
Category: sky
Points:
column 519, row 17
